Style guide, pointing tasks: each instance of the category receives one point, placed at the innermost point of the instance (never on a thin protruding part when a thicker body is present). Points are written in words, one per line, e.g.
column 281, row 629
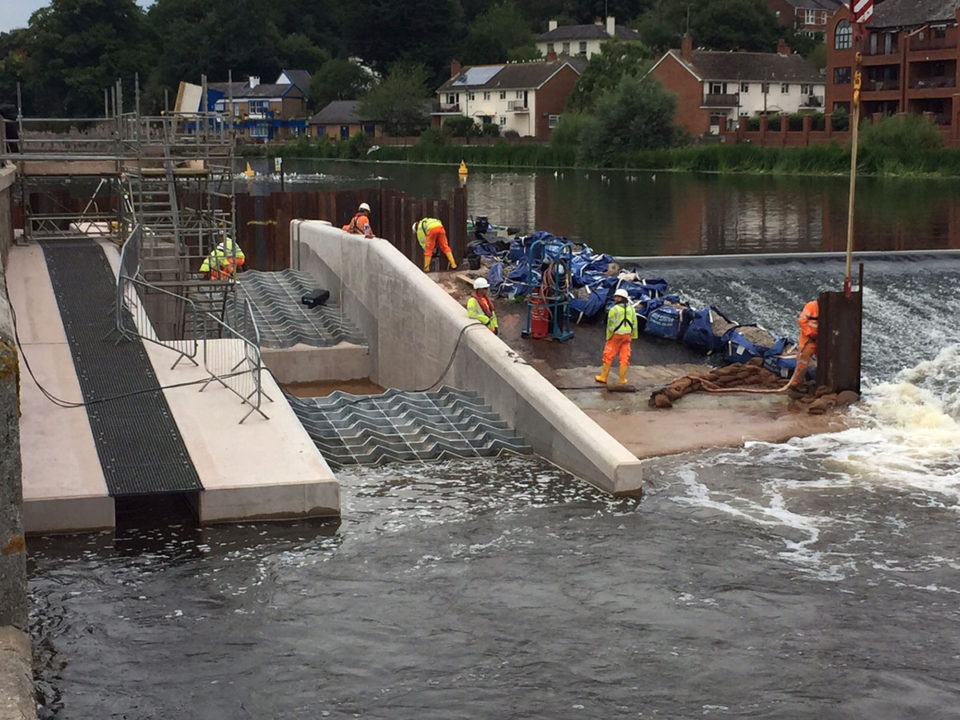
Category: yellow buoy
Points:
column 249, row 172
column 463, row 169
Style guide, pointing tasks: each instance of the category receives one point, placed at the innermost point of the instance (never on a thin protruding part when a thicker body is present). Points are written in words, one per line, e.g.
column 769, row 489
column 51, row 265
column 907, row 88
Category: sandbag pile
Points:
column 750, row 374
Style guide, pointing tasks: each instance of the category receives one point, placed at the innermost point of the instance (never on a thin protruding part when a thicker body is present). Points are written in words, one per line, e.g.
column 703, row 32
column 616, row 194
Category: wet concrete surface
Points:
column 697, row 421
column 322, row 389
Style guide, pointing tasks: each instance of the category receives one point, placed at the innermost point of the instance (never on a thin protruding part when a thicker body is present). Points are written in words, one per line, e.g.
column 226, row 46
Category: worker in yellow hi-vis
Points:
column 223, row 261
column 430, row 234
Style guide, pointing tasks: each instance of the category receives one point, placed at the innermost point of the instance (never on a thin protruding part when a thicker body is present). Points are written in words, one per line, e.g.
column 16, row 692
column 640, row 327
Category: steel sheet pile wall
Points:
column 263, row 222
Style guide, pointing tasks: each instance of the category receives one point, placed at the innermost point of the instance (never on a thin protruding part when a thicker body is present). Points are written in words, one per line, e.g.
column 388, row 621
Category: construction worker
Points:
column 621, row 329
column 480, row 306
column 430, row 234
column 360, row 224
column 223, row 261
column 807, row 349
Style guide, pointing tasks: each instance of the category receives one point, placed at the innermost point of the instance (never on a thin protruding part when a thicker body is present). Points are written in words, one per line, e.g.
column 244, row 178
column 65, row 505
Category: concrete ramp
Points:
column 400, row 426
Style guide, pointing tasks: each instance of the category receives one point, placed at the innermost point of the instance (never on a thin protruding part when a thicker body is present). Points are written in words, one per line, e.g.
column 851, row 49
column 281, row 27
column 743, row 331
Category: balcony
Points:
column 518, row 106
column 446, row 109
column 880, row 85
column 934, row 83
column 812, row 101
column 721, row 100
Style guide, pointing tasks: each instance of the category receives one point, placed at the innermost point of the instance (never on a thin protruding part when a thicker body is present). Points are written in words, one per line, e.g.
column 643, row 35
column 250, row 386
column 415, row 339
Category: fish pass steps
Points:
column 284, row 321
column 401, row 426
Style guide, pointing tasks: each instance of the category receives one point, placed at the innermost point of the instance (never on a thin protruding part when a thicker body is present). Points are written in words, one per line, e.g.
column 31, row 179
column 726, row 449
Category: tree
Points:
column 494, row 34
column 714, row 24
column 338, row 79
column 75, row 49
column 615, row 61
column 399, row 100
column 298, row 52
column 637, row 115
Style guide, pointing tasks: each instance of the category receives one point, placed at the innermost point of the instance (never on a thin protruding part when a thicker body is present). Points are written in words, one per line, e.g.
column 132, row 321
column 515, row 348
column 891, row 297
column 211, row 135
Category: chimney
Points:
column 455, row 68
column 611, row 26
column 782, row 47
column 551, row 25
column 254, row 81
column 686, row 47
column 552, row 56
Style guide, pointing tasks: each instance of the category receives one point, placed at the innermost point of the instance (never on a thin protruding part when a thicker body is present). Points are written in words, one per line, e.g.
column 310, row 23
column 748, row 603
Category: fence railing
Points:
column 230, row 342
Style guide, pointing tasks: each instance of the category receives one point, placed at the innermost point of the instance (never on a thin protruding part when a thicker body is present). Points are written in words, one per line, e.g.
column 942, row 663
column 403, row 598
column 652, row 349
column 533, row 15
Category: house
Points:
column 581, row 40
column 910, row 62
column 526, row 98
column 715, row 89
column 261, row 111
column 809, row 17
column 339, row 120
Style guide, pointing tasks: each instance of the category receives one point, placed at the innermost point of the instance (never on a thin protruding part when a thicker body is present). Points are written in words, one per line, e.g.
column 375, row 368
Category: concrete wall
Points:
column 413, row 328
column 16, row 684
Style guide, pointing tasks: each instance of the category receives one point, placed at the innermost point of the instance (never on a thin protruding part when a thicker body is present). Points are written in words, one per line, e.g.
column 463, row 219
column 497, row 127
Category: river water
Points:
column 813, row 579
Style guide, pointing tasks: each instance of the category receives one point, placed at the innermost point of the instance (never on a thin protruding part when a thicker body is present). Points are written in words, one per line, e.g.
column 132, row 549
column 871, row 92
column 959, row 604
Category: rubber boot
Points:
column 602, row 377
column 453, row 264
column 426, row 263
column 623, row 374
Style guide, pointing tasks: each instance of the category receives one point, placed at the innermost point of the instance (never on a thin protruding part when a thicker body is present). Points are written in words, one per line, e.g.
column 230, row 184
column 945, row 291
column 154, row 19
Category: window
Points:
column 503, row 94
column 258, row 106
column 843, row 36
column 583, row 48
column 219, row 106
column 486, row 95
column 810, row 17
column 939, row 31
column 566, row 48
column 873, row 43
column 553, row 121
column 550, row 48
column 519, row 94
column 888, row 43
column 451, row 99
column 841, row 76
column 503, row 120
column 784, row 88
column 259, row 131
column 806, row 89
column 472, row 96
column 716, row 88
column 765, row 88
column 744, row 87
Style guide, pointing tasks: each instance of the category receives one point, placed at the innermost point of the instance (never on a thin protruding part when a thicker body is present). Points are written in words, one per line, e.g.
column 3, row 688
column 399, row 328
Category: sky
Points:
column 16, row 13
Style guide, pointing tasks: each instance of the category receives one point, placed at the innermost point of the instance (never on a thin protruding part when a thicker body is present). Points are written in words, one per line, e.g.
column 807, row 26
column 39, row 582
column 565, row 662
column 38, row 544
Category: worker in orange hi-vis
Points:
column 360, row 224
column 430, row 234
column 622, row 328
column 808, row 322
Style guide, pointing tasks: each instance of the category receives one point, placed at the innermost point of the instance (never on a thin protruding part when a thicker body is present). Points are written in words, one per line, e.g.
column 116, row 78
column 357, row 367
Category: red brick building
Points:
column 810, row 17
column 910, row 62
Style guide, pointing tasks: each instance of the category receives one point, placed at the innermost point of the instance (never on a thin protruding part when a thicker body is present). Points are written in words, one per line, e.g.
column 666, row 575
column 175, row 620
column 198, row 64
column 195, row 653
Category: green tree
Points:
column 461, row 126
column 714, row 24
column 12, row 61
column 298, row 52
column 615, row 61
column 494, row 34
column 400, row 100
column 338, row 79
column 635, row 116
column 75, row 49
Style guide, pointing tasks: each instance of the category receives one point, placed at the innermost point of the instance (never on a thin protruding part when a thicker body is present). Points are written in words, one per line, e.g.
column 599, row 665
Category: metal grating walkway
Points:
column 400, row 426
column 140, row 448
column 284, row 321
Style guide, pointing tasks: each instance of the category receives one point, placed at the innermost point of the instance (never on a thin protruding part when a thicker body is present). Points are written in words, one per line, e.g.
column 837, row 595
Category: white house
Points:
column 581, row 40
column 526, row 98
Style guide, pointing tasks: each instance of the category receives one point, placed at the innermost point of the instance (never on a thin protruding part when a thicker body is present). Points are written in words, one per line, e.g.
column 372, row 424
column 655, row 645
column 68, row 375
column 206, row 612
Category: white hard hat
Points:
column 620, row 292
column 480, row 284
column 364, row 206
column 220, row 246
column 414, row 226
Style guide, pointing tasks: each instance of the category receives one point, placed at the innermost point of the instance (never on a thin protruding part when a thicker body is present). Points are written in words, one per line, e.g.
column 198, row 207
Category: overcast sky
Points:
column 16, row 13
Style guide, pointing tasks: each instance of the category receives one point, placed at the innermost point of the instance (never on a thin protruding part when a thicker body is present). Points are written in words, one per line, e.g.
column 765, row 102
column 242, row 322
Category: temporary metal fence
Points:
column 230, row 343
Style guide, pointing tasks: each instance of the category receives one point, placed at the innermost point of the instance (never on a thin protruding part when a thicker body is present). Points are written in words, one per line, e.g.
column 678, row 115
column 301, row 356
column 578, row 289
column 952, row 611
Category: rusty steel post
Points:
column 839, row 341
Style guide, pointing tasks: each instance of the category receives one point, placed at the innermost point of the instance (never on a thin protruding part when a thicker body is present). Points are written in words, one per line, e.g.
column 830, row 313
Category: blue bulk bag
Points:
column 495, row 277
column 783, row 365
column 592, row 305
column 667, row 321
column 739, row 347
column 700, row 334
column 517, row 251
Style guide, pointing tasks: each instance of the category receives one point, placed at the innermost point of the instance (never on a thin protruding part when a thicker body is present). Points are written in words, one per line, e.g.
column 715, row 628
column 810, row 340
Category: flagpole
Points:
column 862, row 12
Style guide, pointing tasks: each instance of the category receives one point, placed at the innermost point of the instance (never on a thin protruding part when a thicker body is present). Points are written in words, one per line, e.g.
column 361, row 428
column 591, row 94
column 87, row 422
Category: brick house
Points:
column 910, row 62
column 339, row 120
column 715, row 89
column 261, row 111
column 809, row 17
column 581, row 40
column 526, row 98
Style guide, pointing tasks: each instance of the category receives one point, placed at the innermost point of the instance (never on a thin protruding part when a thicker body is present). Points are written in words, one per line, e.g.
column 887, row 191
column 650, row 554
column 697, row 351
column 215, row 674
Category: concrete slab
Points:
column 261, row 469
column 307, row 364
column 63, row 484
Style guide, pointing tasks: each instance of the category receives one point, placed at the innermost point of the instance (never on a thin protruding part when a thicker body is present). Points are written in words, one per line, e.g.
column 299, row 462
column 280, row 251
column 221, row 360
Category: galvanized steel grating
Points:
column 284, row 321
column 400, row 426
column 138, row 442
